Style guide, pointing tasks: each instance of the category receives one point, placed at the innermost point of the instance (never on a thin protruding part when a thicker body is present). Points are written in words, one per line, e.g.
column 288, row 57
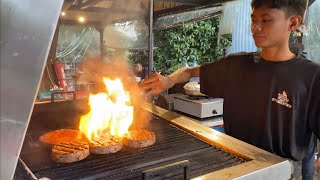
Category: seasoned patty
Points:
column 62, row 136
column 105, row 145
column 70, row 152
column 139, row 138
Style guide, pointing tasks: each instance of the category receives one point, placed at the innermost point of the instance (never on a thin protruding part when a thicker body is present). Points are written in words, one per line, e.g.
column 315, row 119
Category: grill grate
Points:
column 172, row 145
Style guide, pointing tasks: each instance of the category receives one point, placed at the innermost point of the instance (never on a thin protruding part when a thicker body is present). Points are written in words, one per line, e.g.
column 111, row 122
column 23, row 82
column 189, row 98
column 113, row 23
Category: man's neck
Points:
column 277, row 54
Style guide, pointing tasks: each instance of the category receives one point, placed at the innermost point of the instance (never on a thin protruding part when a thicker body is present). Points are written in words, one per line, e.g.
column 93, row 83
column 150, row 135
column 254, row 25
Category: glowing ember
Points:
column 110, row 112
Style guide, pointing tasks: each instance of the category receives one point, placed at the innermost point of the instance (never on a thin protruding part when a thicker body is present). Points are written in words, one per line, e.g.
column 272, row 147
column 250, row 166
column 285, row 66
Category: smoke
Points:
column 128, row 28
column 122, row 32
column 127, row 10
column 95, row 68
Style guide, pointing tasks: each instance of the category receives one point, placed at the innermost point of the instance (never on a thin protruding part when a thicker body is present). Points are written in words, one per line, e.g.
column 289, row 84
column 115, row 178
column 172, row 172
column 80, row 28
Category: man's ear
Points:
column 295, row 22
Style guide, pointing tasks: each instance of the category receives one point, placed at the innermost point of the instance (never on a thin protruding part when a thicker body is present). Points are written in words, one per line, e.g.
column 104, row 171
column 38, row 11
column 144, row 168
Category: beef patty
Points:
column 62, row 136
column 105, row 145
column 70, row 152
column 139, row 138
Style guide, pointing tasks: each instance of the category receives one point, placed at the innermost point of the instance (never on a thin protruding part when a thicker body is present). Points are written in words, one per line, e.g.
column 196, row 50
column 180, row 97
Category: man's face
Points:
column 269, row 27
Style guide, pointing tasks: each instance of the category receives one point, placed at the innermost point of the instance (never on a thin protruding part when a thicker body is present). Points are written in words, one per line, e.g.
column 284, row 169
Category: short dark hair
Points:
column 291, row 7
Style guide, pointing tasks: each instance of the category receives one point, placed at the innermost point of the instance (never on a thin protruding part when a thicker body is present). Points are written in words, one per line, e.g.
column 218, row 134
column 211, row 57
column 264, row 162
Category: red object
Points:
column 220, row 126
column 61, row 76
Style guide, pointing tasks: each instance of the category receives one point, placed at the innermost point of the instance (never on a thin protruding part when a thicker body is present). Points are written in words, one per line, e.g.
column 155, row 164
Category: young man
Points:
column 272, row 98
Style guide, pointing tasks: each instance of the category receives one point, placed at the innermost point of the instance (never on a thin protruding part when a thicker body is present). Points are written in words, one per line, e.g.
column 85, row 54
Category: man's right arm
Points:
column 157, row 83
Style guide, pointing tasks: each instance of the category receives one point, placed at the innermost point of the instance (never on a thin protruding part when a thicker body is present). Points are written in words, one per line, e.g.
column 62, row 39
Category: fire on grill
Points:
column 174, row 150
column 109, row 111
column 103, row 130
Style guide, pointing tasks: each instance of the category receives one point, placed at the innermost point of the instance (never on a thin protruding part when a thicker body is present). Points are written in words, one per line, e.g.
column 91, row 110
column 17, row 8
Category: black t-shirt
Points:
column 272, row 105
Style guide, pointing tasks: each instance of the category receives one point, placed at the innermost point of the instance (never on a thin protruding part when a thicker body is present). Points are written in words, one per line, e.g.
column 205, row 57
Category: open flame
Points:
column 110, row 112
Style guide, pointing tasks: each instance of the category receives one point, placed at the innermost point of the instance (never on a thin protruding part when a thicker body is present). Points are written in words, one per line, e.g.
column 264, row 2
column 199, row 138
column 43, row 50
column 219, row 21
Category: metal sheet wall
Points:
column 311, row 38
column 236, row 20
column 27, row 29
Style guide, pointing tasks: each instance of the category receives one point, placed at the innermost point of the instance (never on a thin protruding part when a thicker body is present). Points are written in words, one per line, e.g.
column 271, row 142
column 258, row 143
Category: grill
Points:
column 173, row 150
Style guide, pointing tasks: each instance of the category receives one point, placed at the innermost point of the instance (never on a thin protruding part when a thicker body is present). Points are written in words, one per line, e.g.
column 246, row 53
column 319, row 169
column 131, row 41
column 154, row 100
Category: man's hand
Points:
column 156, row 83
column 318, row 166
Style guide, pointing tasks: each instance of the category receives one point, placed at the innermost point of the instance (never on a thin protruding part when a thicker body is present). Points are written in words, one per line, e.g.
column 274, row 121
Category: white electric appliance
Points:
column 201, row 107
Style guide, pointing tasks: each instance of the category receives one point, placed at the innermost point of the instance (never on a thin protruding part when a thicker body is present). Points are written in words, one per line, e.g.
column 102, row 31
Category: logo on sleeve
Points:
column 282, row 100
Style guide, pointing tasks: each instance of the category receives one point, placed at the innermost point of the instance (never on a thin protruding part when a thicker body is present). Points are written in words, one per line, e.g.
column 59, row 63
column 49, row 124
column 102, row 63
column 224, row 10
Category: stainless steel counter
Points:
column 261, row 164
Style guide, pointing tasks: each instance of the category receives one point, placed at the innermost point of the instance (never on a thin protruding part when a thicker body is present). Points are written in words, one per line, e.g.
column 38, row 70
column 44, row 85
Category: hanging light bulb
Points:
column 81, row 19
column 63, row 13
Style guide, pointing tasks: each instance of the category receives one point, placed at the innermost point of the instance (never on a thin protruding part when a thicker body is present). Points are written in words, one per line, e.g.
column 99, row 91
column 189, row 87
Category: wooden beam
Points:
column 67, row 4
column 79, row 2
column 124, row 19
column 174, row 10
column 189, row 21
column 186, row 2
column 181, row 9
column 105, row 10
column 194, row 2
column 89, row 3
column 75, row 22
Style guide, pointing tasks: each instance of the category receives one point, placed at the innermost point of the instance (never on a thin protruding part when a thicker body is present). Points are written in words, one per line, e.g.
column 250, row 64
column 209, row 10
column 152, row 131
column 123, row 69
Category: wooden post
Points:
column 101, row 32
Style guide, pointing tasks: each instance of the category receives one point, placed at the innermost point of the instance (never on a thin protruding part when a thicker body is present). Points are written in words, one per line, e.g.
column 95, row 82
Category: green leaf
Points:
column 197, row 40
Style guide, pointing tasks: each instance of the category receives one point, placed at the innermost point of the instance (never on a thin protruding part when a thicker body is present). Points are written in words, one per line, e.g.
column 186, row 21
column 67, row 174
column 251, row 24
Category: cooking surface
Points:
column 172, row 145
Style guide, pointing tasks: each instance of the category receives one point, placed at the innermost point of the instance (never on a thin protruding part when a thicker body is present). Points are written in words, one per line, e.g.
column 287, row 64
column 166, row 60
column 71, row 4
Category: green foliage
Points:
column 226, row 40
column 198, row 40
column 138, row 57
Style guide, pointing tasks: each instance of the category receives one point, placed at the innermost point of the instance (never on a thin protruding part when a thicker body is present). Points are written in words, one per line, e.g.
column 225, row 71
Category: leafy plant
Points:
column 193, row 41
